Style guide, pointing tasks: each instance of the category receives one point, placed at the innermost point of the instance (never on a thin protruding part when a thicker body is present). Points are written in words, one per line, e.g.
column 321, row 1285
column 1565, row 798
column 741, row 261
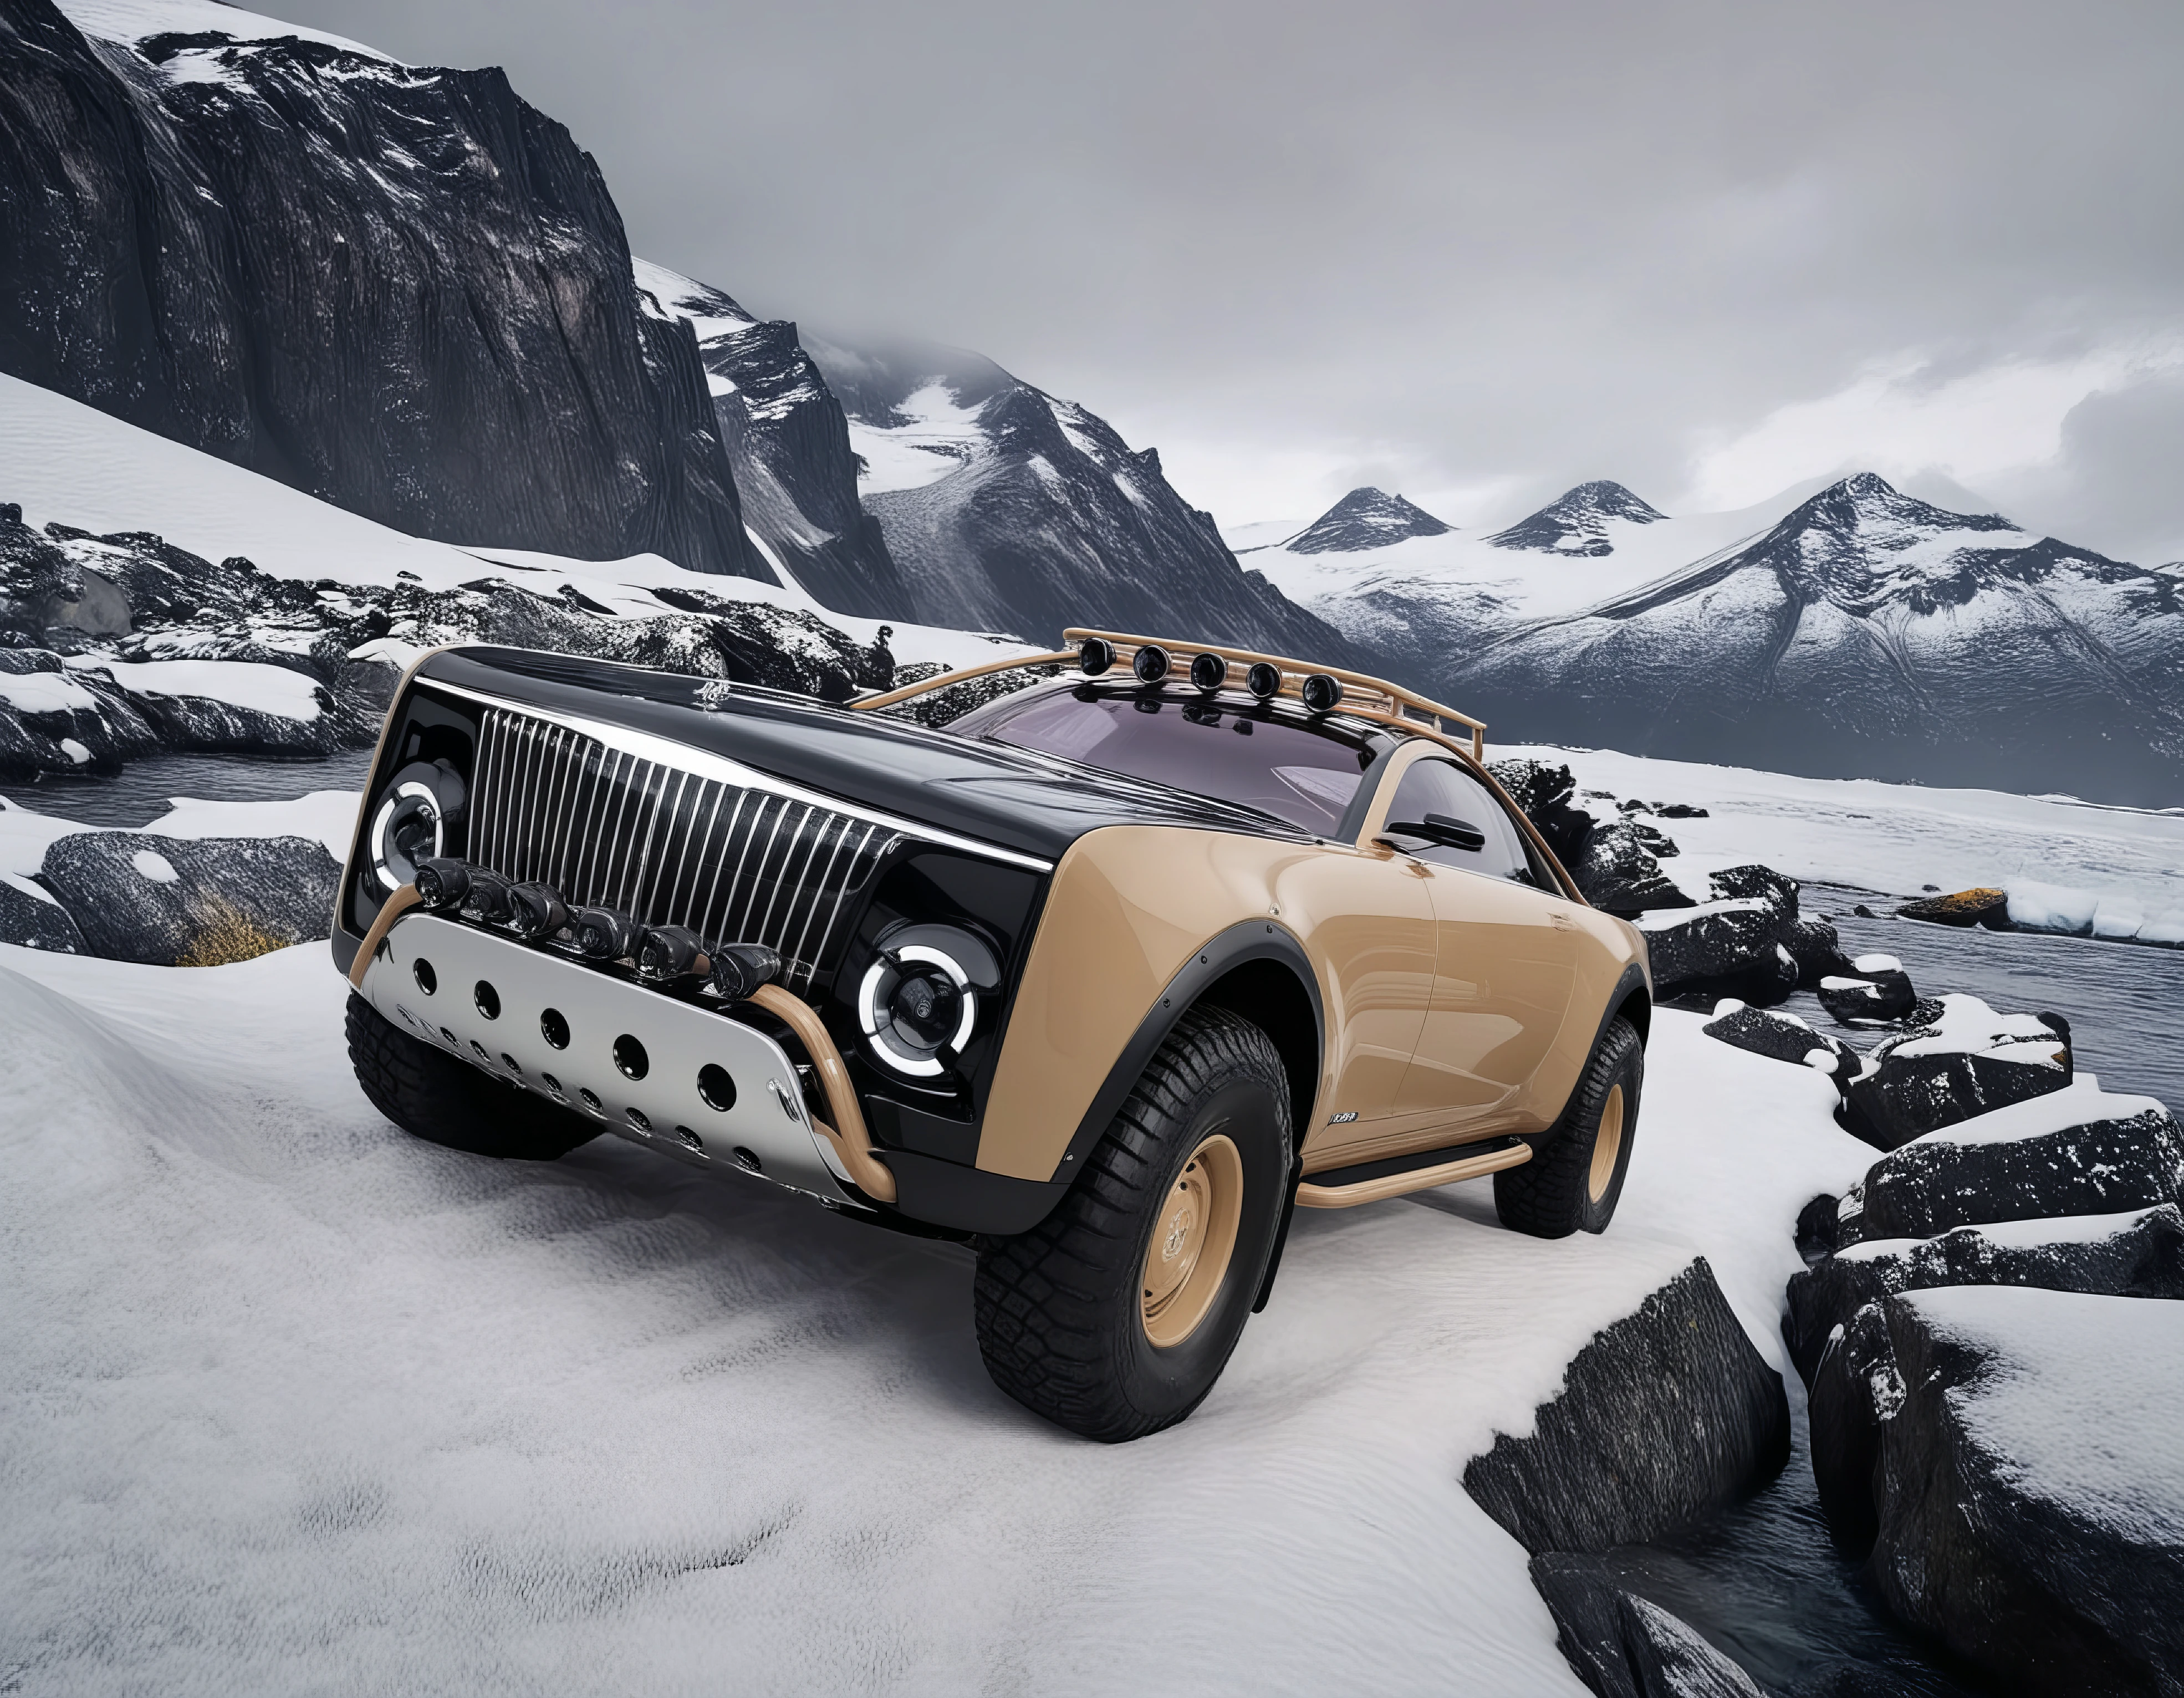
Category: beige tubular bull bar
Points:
column 1363, row 696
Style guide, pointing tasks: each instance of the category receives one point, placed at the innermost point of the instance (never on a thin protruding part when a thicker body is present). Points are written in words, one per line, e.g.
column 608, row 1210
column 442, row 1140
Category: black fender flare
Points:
column 1247, row 941
column 1632, row 983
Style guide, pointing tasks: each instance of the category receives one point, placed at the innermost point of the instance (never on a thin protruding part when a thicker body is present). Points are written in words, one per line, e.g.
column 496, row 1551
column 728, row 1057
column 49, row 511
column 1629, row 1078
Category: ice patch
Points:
column 76, row 751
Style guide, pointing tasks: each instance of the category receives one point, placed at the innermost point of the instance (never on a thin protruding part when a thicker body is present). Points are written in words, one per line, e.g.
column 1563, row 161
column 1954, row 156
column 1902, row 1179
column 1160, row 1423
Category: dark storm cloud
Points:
column 1462, row 247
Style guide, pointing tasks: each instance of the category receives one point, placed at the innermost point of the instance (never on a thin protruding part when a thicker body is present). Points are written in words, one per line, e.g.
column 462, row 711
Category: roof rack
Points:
column 1363, row 696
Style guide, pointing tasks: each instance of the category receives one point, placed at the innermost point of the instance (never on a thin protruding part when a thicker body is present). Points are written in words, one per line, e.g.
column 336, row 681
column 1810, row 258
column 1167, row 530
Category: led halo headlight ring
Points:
column 394, row 867
column 878, row 1031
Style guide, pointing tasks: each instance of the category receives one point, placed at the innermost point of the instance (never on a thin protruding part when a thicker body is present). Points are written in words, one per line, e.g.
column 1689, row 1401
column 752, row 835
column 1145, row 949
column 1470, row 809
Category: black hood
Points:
column 1012, row 798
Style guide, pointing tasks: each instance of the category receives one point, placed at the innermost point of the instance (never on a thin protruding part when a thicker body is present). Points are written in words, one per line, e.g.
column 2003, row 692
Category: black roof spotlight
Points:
column 1208, row 671
column 739, row 969
column 1264, row 680
column 487, row 898
column 602, row 934
column 1321, row 694
column 666, row 953
column 536, row 910
column 1150, row 664
column 442, row 883
column 1094, row 655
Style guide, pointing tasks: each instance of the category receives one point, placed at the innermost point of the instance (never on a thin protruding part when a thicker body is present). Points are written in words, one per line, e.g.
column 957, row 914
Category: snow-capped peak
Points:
column 1366, row 518
column 1576, row 522
column 665, row 294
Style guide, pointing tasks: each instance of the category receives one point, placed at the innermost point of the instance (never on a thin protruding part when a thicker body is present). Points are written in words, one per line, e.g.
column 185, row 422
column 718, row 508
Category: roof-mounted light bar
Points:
column 1319, row 689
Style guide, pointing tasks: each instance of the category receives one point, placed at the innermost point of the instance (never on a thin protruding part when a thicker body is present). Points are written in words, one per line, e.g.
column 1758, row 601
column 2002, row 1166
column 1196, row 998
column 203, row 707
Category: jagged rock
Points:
column 2076, row 1151
column 191, row 902
column 1665, row 1416
column 1781, row 1037
column 1680, row 811
column 1967, row 1061
column 1820, row 1227
column 2008, row 1458
column 209, row 724
column 36, row 921
column 1815, row 947
column 1624, row 1645
column 1875, row 992
column 53, row 719
column 2140, row 1253
column 1619, row 869
column 228, row 241
column 1982, row 907
column 1722, row 947
column 1544, row 793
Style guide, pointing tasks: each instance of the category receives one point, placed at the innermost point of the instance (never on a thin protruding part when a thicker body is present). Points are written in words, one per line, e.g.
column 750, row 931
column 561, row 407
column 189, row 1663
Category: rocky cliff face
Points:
column 788, row 442
column 1007, row 510
column 1871, row 633
column 403, row 290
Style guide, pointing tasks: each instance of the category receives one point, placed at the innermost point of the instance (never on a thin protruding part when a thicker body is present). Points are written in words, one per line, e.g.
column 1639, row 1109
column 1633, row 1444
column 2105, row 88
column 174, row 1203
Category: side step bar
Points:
column 1372, row 1182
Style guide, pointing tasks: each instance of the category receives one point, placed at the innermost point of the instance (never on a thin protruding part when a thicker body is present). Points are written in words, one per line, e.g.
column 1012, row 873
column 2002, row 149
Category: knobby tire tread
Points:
column 1038, row 1301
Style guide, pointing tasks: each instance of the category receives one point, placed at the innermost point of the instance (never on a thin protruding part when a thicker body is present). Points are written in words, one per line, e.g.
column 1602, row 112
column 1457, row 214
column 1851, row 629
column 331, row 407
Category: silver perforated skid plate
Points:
column 681, row 1052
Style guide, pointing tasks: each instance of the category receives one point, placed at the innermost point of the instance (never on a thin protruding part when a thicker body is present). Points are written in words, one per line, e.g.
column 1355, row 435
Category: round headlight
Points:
column 1264, row 681
column 1094, row 655
column 915, row 1002
column 1321, row 693
column 1150, row 664
column 408, row 828
column 1208, row 671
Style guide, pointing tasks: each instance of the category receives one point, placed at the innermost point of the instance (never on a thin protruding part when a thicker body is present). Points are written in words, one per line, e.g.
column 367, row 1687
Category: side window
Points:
column 1442, row 788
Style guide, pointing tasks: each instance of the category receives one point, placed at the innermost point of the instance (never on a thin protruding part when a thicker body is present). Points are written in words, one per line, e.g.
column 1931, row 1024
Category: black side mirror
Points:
column 1444, row 829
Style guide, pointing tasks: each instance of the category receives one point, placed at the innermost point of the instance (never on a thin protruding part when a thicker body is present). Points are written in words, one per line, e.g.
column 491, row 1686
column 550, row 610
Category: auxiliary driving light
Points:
column 1208, row 671
column 739, row 969
column 536, row 910
column 1264, row 681
column 602, row 934
column 664, row 953
column 442, row 883
column 1094, row 655
column 1320, row 694
column 487, row 898
column 1150, row 664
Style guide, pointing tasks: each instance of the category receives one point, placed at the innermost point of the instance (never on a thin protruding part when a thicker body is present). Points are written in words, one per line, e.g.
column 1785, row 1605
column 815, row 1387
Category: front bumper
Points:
column 489, row 1002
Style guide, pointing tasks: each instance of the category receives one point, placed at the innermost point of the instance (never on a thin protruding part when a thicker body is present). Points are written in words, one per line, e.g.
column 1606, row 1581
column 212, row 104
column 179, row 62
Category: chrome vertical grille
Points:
column 733, row 864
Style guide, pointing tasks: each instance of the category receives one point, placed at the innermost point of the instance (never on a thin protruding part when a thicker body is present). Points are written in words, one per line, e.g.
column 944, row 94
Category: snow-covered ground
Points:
column 296, row 1403
column 1897, row 838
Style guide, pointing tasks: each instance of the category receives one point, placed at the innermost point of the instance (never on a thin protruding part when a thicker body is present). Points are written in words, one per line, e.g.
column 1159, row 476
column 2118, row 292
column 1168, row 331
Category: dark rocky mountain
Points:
column 1869, row 633
column 1367, row 518
column 788, row 442
column 1576, row 522
column 1025, row 514
column 401, row 289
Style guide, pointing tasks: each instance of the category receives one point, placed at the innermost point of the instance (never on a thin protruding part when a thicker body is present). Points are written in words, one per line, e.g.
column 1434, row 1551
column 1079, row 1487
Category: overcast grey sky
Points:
column 1476, row 253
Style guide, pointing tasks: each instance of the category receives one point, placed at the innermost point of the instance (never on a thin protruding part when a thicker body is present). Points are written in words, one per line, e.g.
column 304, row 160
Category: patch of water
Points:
column 1765, row 1583
column 139, row 794
column 2122, row 999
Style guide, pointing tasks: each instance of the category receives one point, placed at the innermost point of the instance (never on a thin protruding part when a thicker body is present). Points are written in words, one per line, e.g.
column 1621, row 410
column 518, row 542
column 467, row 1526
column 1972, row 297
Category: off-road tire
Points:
column 1060, row 1310
column 1557, row 1193
column 432, row 1095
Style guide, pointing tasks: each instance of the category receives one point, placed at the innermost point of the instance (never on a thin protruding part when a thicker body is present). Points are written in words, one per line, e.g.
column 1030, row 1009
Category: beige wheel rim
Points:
column 1194, row 1239
column 1607, row 1147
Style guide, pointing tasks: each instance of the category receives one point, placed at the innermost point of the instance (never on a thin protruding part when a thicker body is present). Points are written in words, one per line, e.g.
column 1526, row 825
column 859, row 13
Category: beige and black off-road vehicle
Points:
column 1104, row 978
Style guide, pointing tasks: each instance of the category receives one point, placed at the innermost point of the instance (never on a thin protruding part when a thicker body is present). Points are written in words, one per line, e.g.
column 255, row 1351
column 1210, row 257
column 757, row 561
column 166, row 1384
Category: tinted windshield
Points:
column 1298, row 772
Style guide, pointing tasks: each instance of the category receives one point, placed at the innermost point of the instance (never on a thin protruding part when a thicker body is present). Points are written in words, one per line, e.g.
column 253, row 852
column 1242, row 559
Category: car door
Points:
column 1505, row 952
column 1371, row 921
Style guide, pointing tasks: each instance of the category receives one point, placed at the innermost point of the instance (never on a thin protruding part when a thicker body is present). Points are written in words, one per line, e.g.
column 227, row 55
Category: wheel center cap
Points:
column 1179, row 1227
